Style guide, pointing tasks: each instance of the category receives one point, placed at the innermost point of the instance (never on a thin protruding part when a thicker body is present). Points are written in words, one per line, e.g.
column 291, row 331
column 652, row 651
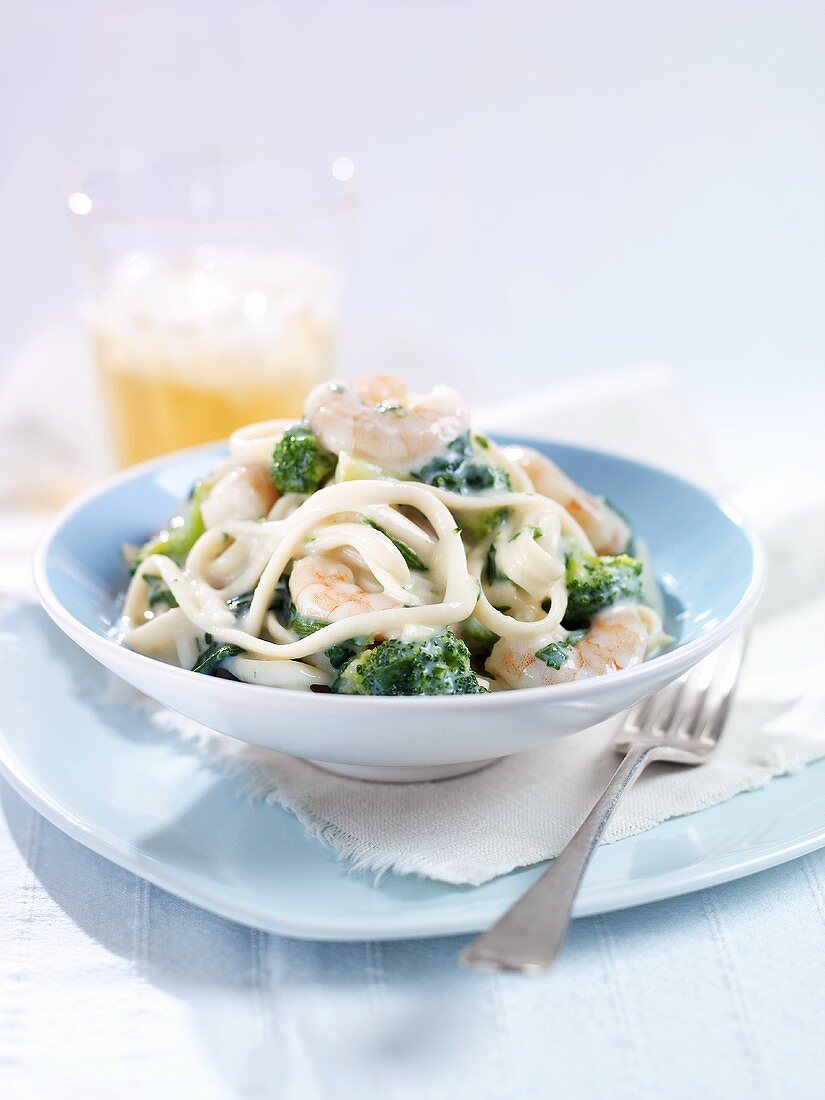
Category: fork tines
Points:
column 693, row 709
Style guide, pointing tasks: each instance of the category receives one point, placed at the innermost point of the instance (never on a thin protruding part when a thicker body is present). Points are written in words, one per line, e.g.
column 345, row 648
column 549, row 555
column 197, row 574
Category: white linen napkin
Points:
column 524, row 809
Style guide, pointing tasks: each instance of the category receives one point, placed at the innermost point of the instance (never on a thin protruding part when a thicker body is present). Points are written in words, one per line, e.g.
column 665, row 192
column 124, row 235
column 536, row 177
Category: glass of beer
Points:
column 214, row 289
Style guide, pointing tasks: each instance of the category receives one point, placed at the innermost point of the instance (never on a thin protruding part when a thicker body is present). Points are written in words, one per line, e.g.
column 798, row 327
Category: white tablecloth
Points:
column 113, row 988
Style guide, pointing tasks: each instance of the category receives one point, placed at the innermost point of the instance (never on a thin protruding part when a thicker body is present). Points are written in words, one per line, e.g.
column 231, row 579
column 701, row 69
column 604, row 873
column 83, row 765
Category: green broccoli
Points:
column 181, row 533
column 341, row 653
column 594, row 583
column 438, row 666
column 299, row 462
column 459, row 469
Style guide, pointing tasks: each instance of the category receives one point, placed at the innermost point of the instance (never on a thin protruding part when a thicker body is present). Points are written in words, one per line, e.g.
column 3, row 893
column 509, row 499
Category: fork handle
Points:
column 529, row 935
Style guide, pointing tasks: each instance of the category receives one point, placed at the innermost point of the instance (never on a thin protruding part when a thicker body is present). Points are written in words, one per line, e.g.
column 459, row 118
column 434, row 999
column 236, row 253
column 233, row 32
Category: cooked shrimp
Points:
column 605, row 528
column 376, row 418
column 618, row 638
column 325, row 590
column 244, row 492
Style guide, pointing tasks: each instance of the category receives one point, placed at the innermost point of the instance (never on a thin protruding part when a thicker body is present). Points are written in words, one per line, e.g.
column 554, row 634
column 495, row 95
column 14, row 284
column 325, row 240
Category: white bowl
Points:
column 710, row 568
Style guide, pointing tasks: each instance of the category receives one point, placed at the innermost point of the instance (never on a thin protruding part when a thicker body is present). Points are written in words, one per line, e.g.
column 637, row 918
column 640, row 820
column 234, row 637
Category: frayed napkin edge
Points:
column 258, row 785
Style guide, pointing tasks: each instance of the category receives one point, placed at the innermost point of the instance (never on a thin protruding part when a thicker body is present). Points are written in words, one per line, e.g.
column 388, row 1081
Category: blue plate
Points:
column 144, row 800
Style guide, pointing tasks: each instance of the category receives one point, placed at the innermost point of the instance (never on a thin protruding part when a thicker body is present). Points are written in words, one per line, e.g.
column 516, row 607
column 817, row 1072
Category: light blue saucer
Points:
column 143, row 800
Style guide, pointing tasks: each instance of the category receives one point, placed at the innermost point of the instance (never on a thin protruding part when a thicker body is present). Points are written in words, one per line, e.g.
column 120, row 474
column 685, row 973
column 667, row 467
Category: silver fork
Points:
column 679, row 725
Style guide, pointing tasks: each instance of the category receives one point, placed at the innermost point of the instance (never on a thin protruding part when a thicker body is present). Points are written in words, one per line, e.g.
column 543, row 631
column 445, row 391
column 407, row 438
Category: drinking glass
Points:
column 214, row 286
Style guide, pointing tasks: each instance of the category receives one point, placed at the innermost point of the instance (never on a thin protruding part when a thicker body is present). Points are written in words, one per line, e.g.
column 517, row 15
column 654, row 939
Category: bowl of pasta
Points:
column 384, row 591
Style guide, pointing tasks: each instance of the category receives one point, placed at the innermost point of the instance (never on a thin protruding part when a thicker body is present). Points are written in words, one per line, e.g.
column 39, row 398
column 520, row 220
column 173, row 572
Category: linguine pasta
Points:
column 296, row 562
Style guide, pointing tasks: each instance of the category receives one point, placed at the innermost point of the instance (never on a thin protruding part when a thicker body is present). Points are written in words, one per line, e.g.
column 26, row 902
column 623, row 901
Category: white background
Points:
column 551, row 189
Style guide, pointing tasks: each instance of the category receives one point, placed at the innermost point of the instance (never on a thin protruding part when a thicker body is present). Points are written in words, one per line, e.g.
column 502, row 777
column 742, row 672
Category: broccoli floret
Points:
column 213, row 656
column 180, row 534
column 459, row 469
column 595, row 583
column 438, row 666
column 299, row 462
column 341, row 653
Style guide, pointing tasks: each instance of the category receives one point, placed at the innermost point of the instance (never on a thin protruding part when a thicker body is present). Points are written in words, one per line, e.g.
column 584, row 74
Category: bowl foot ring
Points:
column 403, row 773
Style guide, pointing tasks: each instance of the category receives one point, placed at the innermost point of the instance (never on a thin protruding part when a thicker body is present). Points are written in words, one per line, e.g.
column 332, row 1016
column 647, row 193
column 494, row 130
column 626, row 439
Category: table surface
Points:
column 112, row 987
column 582, row 188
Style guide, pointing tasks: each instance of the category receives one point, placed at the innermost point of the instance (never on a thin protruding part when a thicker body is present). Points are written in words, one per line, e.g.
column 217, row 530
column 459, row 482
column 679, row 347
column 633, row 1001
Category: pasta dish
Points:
column 380, row 546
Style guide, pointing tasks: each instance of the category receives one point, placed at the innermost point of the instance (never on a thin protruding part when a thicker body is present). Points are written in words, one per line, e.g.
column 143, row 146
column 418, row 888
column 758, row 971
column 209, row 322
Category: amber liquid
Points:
column 154, row 411
column 189, row 349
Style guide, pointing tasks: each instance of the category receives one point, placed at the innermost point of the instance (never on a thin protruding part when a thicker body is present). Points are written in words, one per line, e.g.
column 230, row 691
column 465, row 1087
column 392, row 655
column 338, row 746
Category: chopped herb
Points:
column 303, row 625
column 478, row 638
column 407, row 553
column 210, row 659
column 481, row 441
column 158, row 592
column 536, row 532
column 392, row 407
column 491, row 570
column 239, row 605
column 555, row 654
